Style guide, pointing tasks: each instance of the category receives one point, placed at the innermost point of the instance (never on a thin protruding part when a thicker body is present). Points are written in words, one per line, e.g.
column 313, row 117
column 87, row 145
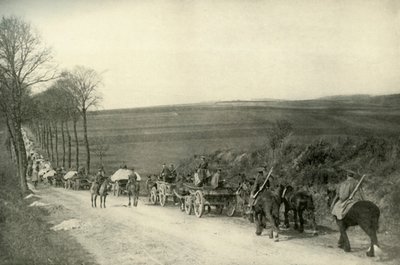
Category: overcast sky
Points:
column 172, row 52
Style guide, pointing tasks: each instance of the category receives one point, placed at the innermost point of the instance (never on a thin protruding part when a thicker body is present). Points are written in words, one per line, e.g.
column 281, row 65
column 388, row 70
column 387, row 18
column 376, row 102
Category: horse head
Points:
column 286, row 191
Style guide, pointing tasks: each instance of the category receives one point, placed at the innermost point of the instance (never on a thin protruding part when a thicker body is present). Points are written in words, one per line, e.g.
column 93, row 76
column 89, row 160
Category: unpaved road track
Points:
column 156, row 235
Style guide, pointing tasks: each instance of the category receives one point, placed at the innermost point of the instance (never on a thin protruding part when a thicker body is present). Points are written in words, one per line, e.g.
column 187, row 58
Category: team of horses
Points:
column 267, row 206
column 101, row 190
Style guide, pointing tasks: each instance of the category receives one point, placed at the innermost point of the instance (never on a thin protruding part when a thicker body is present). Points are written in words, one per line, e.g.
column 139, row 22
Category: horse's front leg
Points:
column 301, row 228
column 274, row 232
column 286, row 214
column 344, row 240
column 314, row 224
column 129, row 204
column 91, row 198
column 104, row 201
column 296, row 226
column 259, row 226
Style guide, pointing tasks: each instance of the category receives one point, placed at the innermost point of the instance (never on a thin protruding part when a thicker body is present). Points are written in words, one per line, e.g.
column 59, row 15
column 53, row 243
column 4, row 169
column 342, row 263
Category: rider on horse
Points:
column 343, row 202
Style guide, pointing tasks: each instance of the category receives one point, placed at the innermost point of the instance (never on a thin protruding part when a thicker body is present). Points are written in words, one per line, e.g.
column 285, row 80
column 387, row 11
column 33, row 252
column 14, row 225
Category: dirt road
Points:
column 156, row 235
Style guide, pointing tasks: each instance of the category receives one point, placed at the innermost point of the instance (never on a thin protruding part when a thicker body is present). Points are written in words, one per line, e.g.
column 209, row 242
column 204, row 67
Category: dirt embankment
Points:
column 155, row 235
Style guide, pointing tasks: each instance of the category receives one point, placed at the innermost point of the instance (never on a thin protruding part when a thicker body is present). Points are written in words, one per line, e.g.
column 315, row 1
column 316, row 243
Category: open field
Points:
column 147, row 137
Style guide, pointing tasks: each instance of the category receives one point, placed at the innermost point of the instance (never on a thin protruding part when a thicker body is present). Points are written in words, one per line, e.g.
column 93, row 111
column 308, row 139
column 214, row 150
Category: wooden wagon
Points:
column 161, row 191
column 200, row 198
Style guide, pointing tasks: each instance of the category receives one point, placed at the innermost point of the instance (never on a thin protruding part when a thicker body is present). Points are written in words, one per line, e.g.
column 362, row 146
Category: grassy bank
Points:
column 25, row 236
column 320, row 165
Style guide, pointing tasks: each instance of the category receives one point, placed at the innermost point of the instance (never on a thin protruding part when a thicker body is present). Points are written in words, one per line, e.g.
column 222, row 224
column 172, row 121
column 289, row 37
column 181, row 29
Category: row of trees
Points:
column 26, row 63
column 64, row 103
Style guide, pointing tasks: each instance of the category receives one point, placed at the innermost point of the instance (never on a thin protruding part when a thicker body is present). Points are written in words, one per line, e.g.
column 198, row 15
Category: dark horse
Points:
column 298, row 202
column 133, row 189
column 266, row 207
column 362, row 213
column 99, row 190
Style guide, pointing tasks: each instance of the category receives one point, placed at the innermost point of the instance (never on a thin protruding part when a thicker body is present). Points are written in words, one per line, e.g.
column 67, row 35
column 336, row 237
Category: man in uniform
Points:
column 172, row 174
column 342, row 202
column 100, row 176
column 215, row 180
column 259, row 181
column 132, row 177
column 202, row 172
column 77, row 179
column 165, row 173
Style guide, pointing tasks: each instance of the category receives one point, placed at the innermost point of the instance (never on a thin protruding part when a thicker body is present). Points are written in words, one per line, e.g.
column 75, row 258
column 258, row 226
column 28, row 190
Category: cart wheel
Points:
column 220, row 208
column 188, row 205
column 198, row 204
column 162, row 196
column 153, row 195
column 231, row 207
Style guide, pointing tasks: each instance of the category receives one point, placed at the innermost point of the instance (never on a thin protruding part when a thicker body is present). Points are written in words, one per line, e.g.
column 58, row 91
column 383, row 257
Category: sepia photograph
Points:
column 191, row 132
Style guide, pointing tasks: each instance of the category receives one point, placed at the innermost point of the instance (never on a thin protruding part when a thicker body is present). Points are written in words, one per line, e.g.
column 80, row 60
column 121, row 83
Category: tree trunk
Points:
column 51, row 143
column 21, row 154
column 63, row 143
column 69, row 145
column 76, row 145
column 47, row 141
column 38, row 134
column 86, row 141
column 12, row 140
column 56, row 142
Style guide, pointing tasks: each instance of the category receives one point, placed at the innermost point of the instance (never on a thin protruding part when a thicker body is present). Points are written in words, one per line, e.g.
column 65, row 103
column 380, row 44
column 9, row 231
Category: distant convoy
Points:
column 201, row 192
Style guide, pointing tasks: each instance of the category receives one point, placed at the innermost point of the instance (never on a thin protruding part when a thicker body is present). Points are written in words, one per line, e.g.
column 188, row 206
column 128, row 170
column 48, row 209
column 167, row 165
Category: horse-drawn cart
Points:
column 200, row 198
column 161, row 191
column 120, row 179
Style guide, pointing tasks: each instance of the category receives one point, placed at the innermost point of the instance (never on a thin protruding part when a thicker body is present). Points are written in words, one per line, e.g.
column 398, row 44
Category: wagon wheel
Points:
column 198, row 204
column 231, row 207
column 153, row 196
column 162, row 196
column 188, row 205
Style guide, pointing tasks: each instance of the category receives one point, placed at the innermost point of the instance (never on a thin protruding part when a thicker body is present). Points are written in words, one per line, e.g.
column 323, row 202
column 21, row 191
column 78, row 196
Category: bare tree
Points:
column 83, row 85
column 23, row 63
column 100, row 148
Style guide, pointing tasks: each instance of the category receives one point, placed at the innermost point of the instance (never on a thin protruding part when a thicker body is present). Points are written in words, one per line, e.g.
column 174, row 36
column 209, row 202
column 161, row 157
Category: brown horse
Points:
column 298, row 202
column 266, row 207
column 94, row 192
column 133, row 188
column 99, row 190
column 363, row 213
column 103, row 193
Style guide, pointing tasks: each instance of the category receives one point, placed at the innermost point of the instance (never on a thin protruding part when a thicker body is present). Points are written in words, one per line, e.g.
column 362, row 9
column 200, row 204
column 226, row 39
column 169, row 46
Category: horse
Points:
column 298, row 202
column 364, row 214
column 103, row 192
column 99, row 190
column 266, row 207
column 94, row 192
column 133, row 188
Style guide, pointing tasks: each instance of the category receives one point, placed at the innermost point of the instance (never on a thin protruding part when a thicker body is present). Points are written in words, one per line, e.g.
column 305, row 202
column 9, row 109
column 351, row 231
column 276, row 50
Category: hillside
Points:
column 147, row 137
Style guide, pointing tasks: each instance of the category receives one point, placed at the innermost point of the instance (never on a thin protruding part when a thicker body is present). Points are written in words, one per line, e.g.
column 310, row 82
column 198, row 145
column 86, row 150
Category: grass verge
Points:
column 25, row 236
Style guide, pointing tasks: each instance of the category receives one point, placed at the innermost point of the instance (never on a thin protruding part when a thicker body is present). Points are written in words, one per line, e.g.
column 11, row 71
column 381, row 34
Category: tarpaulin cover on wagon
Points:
column 123, row 174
